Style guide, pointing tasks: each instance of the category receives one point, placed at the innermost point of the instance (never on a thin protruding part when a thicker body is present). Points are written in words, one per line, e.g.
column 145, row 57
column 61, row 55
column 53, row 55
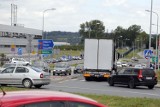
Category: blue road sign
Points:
column 148, row 53
column 19, row 51
column 45, row 44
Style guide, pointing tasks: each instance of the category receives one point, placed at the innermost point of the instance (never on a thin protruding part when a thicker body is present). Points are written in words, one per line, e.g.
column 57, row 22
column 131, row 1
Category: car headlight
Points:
column 54, row 70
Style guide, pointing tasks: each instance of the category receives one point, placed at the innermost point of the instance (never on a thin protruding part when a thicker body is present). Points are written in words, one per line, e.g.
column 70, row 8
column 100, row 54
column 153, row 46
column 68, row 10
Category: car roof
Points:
column 41, row 95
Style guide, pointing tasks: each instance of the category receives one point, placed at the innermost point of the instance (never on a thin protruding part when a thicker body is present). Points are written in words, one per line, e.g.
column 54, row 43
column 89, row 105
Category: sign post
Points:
column 45, row 46
column 148, row 54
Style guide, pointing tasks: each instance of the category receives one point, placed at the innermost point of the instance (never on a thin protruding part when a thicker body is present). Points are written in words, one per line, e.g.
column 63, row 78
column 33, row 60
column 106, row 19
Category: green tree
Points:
column 92, row 29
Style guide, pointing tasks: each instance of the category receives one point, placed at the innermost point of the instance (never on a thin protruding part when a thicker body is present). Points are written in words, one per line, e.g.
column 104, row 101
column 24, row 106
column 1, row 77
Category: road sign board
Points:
column 44, row 51
column 45, row 44
column 19, row 51
column 148, row 53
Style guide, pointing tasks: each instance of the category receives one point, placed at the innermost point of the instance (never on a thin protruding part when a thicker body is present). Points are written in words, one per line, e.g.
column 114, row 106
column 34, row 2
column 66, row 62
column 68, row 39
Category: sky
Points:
column 69, row 14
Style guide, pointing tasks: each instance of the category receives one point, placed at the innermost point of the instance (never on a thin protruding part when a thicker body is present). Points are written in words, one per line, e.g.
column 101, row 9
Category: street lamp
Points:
column 43, row 20
column 148, row 61
column 156, row 37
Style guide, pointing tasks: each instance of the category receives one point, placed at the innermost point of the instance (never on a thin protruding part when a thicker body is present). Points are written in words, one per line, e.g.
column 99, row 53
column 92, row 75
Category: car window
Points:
column 128, row 71
column 45, row 104
column 36, row 69
column 148, row 72
column 121, row 71
column 21, row 70
column 79, row 104
column 8, row 70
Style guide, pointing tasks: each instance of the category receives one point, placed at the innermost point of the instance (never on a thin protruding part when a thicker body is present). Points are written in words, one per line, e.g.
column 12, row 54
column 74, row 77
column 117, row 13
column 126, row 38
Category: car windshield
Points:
column 8, row 65
column 36, row 69
column 148, row 72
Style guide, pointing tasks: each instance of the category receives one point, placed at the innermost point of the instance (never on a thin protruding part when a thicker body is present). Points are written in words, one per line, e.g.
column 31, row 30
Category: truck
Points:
column 98, row 58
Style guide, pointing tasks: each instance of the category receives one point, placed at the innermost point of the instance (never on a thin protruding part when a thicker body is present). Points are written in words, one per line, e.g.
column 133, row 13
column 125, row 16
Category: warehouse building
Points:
column 14, row 37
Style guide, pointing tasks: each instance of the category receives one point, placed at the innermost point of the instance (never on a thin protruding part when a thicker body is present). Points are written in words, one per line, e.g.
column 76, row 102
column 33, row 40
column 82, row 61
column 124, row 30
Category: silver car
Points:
column 24, row 75
column 62, row 68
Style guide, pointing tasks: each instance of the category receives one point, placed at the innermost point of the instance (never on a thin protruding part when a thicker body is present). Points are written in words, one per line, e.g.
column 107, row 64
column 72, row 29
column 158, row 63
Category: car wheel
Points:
column 110, row 81
column 38, row 86
column 131, row 84
column 53, row 73
column 151, row 86
column 27, row 83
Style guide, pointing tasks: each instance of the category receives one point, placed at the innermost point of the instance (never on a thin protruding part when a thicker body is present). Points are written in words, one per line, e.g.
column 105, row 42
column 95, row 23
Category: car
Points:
column 134, row 77
column 41, row 65
column 119, row 64
column 124, row 64
column 138, row 66
column 134, row 59
column 79, row 69
column 20, row 61
column 62, row 68
column 24, row 75
column 36, row 98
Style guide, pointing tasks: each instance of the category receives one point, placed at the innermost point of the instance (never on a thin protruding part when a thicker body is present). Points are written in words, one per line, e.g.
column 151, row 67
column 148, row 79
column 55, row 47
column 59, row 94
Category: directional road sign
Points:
column 45, row 46
column 148, row 53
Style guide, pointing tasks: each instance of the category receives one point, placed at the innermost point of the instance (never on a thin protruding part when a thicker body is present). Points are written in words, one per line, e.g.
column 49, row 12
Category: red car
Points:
column 45, row 99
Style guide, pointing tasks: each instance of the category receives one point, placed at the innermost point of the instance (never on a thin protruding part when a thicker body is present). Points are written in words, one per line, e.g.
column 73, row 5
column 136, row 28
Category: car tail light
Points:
column 41, row 75
column 140, row 74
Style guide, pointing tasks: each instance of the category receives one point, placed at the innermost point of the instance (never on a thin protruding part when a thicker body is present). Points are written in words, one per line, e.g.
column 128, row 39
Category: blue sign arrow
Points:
column 45, row 44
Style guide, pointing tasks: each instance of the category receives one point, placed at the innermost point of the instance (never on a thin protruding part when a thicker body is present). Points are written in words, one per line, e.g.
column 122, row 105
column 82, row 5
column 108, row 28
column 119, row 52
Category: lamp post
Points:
column 156, row 38
column 43, row 20
column 150, row 30
column 43, row 26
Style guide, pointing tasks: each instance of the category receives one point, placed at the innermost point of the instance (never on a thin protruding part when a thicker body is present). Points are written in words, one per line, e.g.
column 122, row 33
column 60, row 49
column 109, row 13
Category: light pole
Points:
column 148, row 61
column 43, row 26
column 43, row 20
column 156, row 39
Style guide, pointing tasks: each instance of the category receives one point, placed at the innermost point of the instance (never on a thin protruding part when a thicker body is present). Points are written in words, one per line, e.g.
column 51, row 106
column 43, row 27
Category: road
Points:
column 79, row 85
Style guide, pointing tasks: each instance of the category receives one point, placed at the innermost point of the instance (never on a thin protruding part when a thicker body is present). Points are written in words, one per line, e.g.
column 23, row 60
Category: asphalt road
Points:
column 79, row 85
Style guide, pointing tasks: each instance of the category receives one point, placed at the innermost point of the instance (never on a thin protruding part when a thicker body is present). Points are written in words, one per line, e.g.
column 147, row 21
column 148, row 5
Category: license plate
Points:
column 148, row 78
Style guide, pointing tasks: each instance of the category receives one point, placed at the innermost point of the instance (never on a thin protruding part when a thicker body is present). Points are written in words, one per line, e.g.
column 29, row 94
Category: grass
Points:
column 133, row 53
column 121, row 51
column 115, row 101
column 68, row 52
column 111, row 101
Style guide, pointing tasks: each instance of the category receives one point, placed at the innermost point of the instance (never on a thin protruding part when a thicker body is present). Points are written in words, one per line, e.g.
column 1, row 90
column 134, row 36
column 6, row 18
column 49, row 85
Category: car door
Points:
column 19, row 74
column 117, row 76
column 6, row 75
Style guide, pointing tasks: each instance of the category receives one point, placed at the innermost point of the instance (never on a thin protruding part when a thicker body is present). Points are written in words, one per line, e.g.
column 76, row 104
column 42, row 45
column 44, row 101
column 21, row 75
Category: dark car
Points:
column 134, row 77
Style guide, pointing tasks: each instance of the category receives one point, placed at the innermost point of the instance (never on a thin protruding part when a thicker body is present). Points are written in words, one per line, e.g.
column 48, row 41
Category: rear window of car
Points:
column 148, row 72
column 36, row 69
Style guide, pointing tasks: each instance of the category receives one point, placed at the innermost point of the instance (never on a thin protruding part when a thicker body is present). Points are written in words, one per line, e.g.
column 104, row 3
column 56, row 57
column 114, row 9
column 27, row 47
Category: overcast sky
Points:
column 69, row 14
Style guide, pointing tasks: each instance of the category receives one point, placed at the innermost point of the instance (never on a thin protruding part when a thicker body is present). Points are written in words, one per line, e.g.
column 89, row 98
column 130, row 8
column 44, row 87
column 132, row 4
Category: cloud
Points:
column 110, row 3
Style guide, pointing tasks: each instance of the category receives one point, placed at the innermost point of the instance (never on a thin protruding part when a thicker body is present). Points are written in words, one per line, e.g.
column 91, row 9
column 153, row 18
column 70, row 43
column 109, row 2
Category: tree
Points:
column 92, row 29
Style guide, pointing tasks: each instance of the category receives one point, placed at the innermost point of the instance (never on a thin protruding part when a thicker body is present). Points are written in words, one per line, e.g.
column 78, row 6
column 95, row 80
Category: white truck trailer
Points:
column 98, row 58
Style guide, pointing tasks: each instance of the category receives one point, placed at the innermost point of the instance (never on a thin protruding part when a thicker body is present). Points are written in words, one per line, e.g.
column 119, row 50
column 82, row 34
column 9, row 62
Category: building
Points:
column 14, row 37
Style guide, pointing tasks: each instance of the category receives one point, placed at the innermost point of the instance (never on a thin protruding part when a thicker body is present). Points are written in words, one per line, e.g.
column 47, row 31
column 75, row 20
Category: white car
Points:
column 119, row 64
column 20, row 61
column 24, row 75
